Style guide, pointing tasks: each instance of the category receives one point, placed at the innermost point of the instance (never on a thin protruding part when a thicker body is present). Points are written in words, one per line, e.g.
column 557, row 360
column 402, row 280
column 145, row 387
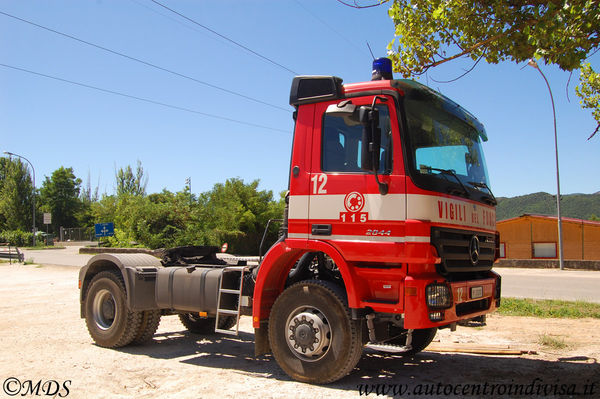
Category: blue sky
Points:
column 55, row 124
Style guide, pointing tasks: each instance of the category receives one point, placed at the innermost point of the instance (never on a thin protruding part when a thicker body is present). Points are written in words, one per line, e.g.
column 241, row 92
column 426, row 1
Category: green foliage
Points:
column 549, row 308
column 237, row 213
column 59, row 195
column 121, row 240
column 589, row 92
column 16, row 195
column 431, row 32
column 579, row 206
column 129, row 183
column 233, row 212
column 17, row 238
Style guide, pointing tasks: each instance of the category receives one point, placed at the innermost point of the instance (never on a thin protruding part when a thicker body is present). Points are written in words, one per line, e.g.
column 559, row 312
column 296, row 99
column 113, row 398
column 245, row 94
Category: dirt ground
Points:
column 43, row 339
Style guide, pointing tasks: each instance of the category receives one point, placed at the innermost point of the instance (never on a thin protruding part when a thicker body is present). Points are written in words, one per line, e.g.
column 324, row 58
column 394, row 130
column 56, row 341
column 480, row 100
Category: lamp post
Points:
column 534, row 64
column 33, row 170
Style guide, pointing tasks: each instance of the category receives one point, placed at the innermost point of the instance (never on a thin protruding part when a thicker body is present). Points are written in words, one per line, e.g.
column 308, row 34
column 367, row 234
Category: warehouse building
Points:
column 535, row 237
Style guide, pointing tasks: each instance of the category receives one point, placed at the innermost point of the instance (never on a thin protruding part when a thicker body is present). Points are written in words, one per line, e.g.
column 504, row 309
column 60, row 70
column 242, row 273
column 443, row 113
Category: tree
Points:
column 431, row 32
column 59, row 195
column 16, row 195
column 589, row 92
column 237, row 213
column 130, row 183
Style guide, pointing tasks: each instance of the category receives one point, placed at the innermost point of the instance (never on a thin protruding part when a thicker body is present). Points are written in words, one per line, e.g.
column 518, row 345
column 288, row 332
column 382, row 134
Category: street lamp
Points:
column 32, row 168
column 534, row 64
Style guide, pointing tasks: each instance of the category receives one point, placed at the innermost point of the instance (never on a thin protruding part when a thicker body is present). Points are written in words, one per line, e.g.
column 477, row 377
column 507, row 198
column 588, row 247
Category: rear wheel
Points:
column 205, row 325
column 109, row 321
column 148, row 326
column 311, row 333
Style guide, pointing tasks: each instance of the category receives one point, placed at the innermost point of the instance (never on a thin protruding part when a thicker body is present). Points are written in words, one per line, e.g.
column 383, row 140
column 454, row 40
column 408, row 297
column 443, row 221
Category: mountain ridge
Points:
column 579, row 206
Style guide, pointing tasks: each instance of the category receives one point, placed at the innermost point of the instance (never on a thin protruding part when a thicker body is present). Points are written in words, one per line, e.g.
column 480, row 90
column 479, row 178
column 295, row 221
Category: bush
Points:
column 122, row 240
column 17, row 238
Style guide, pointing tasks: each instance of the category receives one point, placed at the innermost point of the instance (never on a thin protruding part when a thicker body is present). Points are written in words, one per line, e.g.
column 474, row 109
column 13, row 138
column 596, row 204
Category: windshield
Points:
column 443, row 146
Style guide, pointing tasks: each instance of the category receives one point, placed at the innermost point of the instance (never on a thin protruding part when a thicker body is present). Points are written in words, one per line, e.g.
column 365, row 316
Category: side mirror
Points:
column 371, row 138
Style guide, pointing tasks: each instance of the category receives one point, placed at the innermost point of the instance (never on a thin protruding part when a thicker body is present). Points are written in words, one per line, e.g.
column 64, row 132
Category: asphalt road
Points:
column 570, row 285
column 62, row 257
column 517, row 283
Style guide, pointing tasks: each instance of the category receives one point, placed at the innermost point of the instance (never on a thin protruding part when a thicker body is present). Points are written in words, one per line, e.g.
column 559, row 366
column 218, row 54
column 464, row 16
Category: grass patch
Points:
column 549, row 308
column 552, row 342
column 28, row 261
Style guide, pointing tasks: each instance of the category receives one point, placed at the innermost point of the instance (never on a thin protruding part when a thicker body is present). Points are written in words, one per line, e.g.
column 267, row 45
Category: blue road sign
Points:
column 105, row 229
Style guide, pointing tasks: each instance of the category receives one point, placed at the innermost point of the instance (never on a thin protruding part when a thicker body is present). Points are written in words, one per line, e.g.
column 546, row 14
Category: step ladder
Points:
column 228, row 295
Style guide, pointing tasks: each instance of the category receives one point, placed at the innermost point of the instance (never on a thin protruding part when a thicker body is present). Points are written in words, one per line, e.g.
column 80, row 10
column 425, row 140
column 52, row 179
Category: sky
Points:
column 188, row 123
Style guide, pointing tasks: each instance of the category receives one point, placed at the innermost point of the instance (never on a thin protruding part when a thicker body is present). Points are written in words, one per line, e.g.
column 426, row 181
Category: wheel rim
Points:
column 307, row 333
column 104, row 309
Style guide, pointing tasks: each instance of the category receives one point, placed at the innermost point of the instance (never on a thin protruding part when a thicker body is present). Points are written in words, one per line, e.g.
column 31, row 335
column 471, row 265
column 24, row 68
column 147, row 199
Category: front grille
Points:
column 453, row 247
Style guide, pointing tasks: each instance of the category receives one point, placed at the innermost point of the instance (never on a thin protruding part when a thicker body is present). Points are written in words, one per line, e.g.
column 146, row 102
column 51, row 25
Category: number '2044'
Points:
column 375, row 232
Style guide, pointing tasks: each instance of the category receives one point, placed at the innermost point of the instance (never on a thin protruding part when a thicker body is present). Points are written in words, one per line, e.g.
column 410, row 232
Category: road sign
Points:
column 47, row 218
column 104, row 229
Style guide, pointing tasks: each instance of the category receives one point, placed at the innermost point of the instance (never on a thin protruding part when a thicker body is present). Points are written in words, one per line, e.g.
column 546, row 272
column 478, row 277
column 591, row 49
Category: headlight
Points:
column 436, row 316
column 438, row 296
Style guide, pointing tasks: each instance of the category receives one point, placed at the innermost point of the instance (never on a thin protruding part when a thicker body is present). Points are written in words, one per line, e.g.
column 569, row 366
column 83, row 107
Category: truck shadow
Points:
column 383, row 371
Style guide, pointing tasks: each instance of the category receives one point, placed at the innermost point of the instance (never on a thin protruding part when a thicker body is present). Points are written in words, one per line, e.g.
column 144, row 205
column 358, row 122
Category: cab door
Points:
column 345, row 205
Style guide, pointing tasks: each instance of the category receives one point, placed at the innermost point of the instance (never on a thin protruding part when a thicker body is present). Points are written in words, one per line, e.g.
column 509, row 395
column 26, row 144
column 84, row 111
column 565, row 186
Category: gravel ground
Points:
column 42, row 339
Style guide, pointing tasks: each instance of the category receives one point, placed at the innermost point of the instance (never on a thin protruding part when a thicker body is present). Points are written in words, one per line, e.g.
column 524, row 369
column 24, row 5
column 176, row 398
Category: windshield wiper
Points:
column 451, row 173
column 493, row 199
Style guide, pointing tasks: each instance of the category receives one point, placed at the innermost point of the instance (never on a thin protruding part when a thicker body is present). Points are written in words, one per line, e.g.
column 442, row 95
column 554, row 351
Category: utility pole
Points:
column 534, row 64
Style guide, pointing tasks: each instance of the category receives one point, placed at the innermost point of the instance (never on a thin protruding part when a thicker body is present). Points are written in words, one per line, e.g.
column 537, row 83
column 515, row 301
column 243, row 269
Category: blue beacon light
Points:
column 382, row 69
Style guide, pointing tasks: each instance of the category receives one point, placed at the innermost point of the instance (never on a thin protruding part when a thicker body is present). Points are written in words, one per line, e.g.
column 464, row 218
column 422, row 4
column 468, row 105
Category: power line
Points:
column 224, row 118
column 145, row 62
column 225, row 37
column 175, row 19
column 315, row 16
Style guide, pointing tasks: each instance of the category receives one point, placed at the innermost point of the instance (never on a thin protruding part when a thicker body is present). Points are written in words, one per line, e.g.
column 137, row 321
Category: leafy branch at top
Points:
column 429, row 33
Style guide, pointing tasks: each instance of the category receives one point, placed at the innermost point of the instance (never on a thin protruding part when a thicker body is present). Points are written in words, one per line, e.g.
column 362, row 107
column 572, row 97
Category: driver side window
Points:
column 341, row 144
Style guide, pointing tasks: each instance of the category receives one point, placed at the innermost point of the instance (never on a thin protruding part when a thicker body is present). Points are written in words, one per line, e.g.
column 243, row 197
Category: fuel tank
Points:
column 191, row 289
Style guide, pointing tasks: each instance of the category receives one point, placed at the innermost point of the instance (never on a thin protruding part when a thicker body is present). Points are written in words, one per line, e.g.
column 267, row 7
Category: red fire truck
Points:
column 388, row 235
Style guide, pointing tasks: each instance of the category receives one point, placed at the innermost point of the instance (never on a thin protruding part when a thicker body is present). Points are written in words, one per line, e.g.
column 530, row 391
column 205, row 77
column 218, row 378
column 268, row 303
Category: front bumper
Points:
column 467, row 299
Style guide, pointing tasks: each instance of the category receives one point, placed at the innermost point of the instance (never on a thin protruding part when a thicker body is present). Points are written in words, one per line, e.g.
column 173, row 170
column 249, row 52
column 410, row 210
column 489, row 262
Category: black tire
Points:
column 109, row 321
column 420, row 340
column 311, row 333
column 205, row 325
column 225, row 323
column 301, row 270
column 148, row 326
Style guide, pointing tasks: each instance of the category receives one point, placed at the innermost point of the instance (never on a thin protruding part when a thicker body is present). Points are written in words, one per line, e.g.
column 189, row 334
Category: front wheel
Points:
column 311, row 333
column 420, row 340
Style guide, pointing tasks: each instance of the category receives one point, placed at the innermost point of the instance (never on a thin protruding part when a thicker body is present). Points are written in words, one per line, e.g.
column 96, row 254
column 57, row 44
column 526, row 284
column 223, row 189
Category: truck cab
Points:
column 389, row 199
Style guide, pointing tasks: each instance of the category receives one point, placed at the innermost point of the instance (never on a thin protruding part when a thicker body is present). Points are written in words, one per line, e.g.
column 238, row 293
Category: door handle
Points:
column 321, row 229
